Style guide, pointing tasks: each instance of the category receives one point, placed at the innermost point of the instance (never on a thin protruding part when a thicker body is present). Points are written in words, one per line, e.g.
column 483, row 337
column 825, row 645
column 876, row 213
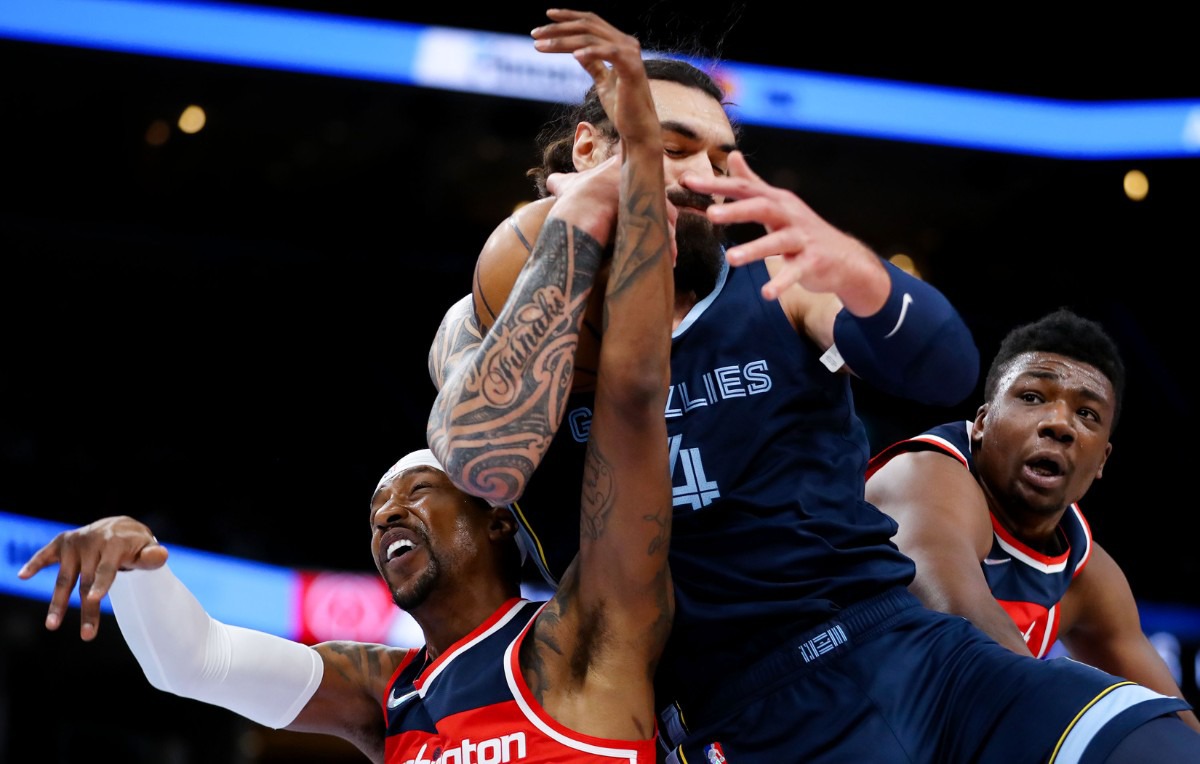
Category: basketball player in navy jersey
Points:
column 796, row 638
column 499, row 678
column 988, row 509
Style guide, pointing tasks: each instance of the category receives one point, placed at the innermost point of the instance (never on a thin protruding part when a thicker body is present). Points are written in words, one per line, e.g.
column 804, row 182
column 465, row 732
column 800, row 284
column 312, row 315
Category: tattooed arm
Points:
column 496, row 413
column 500, row 402
column 457, row 337
column 349, row 701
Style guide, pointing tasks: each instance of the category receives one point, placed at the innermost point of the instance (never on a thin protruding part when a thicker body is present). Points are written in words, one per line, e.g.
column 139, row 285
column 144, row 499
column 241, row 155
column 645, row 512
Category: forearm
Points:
column 639, row 294
column 625, row 507
column 997, row 624
column 978, row 607
column 916, row 346
column 495, row 416
column 183, row 650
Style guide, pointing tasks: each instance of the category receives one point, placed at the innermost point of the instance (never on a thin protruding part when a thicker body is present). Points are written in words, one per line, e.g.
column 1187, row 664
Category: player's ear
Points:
column 590, row 147
column 1107, row 453
column 980, row 424
column 502, row 524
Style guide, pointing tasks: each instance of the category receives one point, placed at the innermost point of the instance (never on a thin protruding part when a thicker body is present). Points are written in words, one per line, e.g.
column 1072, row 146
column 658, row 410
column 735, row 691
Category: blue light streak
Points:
column 507, row 66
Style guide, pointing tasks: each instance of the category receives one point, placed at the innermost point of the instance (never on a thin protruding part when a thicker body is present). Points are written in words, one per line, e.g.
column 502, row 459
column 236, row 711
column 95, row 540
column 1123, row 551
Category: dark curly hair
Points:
column 556, row 140
column 1066, row 333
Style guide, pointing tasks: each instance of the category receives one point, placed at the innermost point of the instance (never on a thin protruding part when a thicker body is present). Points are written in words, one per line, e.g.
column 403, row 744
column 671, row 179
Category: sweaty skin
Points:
column 1038, row 444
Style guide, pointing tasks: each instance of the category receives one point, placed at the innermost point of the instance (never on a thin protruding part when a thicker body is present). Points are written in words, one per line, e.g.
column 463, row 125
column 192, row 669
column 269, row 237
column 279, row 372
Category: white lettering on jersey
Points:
column 758, row 377
column 697, row 490
column 720, row 384
column 497, row 750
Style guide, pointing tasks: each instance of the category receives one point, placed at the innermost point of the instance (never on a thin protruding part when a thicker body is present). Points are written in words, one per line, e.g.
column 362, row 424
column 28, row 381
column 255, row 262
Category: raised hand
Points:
column 588, row 182
column 815, row 254
column 613, row 59
column 92, row 556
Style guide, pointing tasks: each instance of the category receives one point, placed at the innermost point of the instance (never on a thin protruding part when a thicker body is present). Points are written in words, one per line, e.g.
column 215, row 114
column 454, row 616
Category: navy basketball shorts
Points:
column 891, row 681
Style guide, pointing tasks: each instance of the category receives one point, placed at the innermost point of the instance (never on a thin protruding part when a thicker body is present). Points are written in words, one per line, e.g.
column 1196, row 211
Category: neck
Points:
column 1034, row 529
column 684, row 301
column 446, row 620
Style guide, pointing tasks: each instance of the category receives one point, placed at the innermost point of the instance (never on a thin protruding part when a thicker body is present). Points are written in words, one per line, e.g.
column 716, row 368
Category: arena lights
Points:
column 507, row 66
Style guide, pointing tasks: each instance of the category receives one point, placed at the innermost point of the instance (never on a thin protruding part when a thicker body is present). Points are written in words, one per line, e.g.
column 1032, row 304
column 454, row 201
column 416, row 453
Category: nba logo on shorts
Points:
column 714, row 753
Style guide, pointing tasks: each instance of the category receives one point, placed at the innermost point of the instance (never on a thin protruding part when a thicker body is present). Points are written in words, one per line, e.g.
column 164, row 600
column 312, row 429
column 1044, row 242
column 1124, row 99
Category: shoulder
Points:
column 931, row 494
column 918, row 467
column 951, row 439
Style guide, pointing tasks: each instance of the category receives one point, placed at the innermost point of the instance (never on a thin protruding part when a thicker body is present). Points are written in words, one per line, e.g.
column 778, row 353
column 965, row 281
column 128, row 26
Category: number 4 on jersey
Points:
column 696, row 490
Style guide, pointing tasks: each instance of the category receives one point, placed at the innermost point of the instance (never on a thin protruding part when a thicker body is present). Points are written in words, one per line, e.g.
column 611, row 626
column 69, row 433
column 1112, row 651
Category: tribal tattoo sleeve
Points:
column 496, row 415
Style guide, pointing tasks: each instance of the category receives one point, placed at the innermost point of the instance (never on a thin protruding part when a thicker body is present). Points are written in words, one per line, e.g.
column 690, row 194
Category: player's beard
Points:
column 698, row 243
column 700, row 254
column 414, row 593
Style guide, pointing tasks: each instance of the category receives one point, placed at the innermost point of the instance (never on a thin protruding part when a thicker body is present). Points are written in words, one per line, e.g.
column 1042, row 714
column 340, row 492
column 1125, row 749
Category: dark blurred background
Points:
column 225, row 333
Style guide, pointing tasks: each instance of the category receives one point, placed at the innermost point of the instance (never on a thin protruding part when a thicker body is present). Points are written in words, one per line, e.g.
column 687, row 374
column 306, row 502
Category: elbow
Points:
column 182, row 677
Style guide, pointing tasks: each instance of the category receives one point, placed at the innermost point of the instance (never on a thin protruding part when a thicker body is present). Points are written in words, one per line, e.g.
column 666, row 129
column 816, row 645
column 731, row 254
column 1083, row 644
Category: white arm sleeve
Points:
column 185, row 651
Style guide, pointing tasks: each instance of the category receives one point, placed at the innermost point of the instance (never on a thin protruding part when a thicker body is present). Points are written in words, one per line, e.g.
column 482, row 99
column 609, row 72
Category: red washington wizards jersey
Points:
column 1026, row 583
column 472, row 706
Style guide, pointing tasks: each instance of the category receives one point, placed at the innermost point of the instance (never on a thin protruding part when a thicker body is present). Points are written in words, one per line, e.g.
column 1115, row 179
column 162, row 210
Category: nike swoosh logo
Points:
column 904, row 303
column 393, row 701
column 1029, row 631
column 990, row 561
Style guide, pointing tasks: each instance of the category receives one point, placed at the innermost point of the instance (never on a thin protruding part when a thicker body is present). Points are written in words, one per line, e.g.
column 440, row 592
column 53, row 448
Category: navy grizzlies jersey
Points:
column 548, row 510
column 771, row 532
column 1027, row 583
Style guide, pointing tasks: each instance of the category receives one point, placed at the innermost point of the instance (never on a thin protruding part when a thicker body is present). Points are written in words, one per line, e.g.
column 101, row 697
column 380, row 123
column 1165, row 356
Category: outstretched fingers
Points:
column 740, row 172
column 583, row 23
column 42, row 558
column 61, row 551
column 91, row 557
column 740, row 183
column 773, row 243
column 611, row 57
column 577, row 32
